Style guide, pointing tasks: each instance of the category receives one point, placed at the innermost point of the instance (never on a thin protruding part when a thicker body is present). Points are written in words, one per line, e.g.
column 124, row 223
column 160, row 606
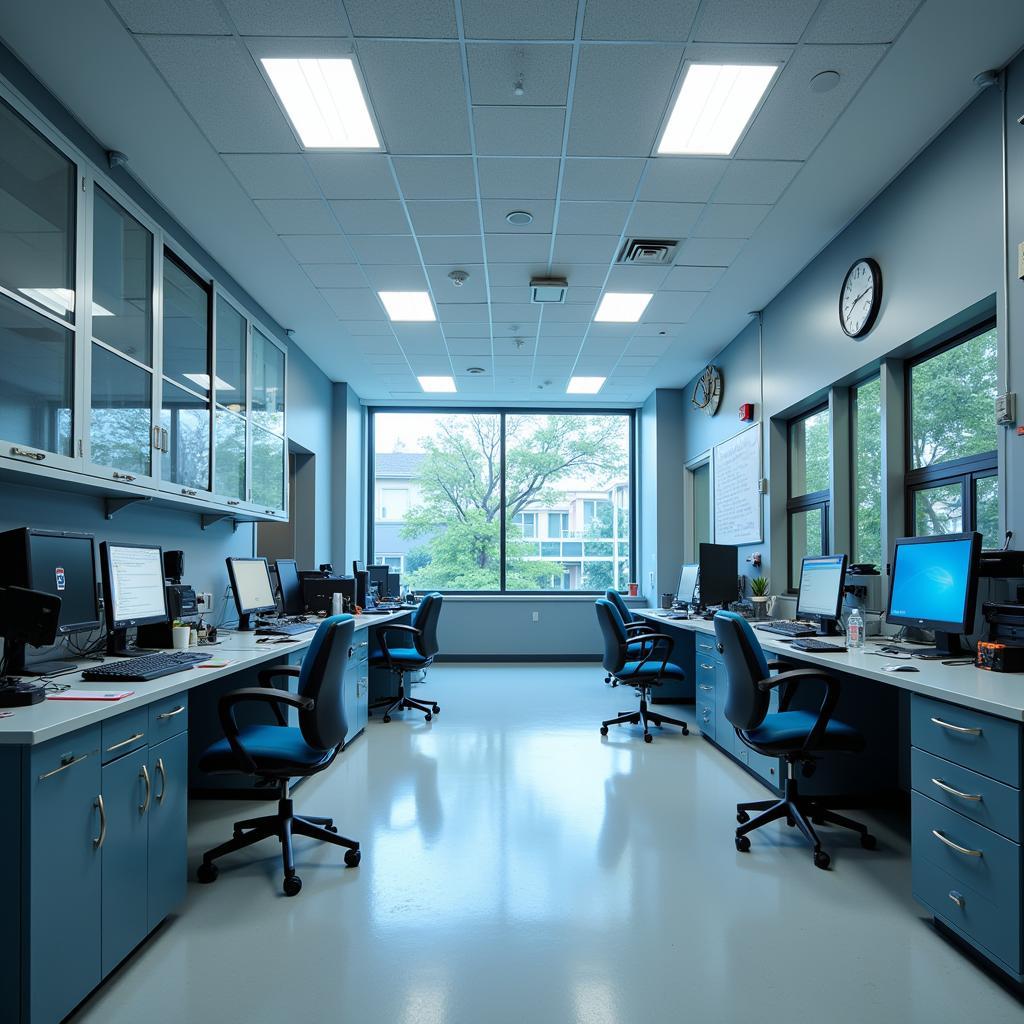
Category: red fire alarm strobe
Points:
column 746, row 412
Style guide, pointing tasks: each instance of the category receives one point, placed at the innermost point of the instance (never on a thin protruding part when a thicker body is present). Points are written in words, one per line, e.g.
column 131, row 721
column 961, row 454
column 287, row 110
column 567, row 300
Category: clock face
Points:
column 860, row 297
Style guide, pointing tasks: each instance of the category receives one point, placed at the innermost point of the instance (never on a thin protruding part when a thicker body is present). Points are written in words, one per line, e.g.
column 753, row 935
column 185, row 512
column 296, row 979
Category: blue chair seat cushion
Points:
column 649, row 671
column 407, row 656
column 273, row 747
column 788, row 730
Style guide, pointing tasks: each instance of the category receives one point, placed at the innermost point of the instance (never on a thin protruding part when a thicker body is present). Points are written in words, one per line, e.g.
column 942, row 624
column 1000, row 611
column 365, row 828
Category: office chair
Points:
column 633, row 661
column 631, row 622
column 797, row 736
column 277, row 753
column 423, row 635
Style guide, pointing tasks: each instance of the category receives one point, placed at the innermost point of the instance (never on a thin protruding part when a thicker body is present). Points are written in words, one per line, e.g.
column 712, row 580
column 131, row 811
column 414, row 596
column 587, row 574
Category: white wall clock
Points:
column 707, row 392
column 860, row 297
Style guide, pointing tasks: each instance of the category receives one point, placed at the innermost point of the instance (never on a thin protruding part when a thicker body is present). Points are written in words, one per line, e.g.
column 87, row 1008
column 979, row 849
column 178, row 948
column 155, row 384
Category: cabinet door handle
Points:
column 25, row 453
column 707, row 687
column 189, row 492
column 144, row 775
column 163, row 780
column 155, row 437
column 234, row 501
column 124, row 743
column 170, row 714
column 957, row 728
column 97, row 843
column 166, row 440
column 966, row 851
column 123, row 476
column 955, row 792
column 957, row 898
column 65, row 763
column 270, row 512
column 704, row 665
column 364, row 643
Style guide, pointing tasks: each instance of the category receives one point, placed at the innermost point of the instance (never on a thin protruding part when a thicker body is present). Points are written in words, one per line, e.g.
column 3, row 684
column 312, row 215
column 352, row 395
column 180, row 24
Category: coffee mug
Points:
column 180, row 637
column 666, row 600
column 634, row 589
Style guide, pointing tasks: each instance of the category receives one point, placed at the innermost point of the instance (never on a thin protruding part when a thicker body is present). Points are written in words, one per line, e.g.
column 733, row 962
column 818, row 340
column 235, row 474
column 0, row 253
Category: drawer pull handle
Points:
column 957, row 728
column 144, row 775
column 955, row 846
column 64, row 764
column 163, row 780
column 234, row 501
column 707, row 687
column 703, row 665
column 123, row 476
column 97, row 843
column 124, row 743
column 957, row 898
column 955, row 792
column 365, row 643
column 24, row 453
column 170, row 714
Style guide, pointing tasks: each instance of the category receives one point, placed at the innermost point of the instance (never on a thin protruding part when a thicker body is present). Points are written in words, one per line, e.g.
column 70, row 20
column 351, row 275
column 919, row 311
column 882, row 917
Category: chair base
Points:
column 643, row 717
column 281, row 826
column 799, row 811
column 402, row 702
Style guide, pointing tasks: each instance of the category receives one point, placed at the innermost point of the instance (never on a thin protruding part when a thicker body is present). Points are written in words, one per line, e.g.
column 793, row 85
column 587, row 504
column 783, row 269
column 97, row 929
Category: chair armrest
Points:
column 790, row 681
column 266, row 674
column 266, row 695
column 777, row 664
column 637, row 625
column 399, row 627
column 655, row 640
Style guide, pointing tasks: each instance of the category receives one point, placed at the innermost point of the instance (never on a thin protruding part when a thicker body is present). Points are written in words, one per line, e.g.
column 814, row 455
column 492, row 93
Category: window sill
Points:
column 538, row 596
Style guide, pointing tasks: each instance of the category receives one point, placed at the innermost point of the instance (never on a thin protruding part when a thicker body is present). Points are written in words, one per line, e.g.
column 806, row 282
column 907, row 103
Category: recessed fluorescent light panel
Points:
column 446, row 384
column 408, row 306
column 622, row 307
column 715, row 104
column 324, row 100
column 584, row 385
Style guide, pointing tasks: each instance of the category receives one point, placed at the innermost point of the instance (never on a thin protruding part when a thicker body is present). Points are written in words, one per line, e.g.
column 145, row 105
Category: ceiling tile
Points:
column 409, row 334
column 385, row 249
column 867, row 21
column 379, row 332
column 601, row 179
column 454, row 249
column 692, row 279
column 591, row 275
column 305, row 18
column 649, row 346
column 577, row 218
column 509, row 178
column 353, row 303
column 730, row 220
column 663, row 220
column 585, row 248
column 395, row 277
column 512, row 274
column 636, row 279
column 614, row 110
column 273, row 175
column 671, row 179
column 495, row 211
column 319, row 248
column 663, row 20
column 417, row 93
column 673, row 307
column 472, row 290
column 511, row 293
column 570, row 313
column 218, row 84
column 470, row 329
column 461, row 312
column 444, row 217
column 709, row 252
column 353, row 175
column 298, row 216
column 582, row 295
column 509, row 248
column 425, row 19
column 495, row 68
column 794, row 119
column 560, row 346
column 436, row 177
column 525, row 131
column 756, row 181
column 478, row 347
column 515, row 313
column 370, row 216
column 189, row 17
column 335, row 275
column 526, row 19
column 739, row 21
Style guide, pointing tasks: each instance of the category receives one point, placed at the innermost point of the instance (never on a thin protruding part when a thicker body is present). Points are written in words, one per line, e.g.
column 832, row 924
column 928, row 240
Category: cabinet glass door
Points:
column 121, row 415
column 229, row 456
column 267, row 470
column 268, row 451
column 185, row 419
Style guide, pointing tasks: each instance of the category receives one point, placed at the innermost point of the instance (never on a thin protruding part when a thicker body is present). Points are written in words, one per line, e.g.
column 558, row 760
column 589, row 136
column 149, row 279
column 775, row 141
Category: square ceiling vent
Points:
column 548, row 289
column 647, row 252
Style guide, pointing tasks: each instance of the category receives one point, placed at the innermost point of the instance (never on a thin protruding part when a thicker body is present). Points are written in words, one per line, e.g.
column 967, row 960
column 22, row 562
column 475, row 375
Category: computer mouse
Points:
column 901, row 668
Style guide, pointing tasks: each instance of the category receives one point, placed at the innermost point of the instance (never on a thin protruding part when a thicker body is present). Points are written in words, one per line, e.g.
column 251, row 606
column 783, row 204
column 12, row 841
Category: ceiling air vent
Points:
column 647, row 252
column 548, row 289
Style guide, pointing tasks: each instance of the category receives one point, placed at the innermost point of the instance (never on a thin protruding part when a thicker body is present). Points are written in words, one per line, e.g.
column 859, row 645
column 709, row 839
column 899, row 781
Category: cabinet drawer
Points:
column 985, row 861
column 168, row 717
column 706, row 644
column 124, row 733
column 981, row 742
column 706, row 717
column 990, row 803
column 704, row 670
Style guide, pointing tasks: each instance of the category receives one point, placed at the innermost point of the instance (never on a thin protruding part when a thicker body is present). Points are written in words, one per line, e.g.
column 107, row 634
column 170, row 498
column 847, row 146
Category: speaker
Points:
column 174, row 565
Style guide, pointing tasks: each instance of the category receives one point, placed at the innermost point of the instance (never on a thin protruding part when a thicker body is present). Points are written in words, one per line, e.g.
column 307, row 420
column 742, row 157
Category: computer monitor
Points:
column 363, row 595
column 686, row 592
column 358, row 566
column 822, row 579
column 56, row 563
column 394, row 585
column 290, row 587
column 252, row 589
column 934, row 585
column 378, row 577
column 718, row 574
column 133, row 584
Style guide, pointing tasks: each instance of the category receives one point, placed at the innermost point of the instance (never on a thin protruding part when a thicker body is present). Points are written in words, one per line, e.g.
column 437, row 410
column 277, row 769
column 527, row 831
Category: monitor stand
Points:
column 827, row 626
column 947, row 645
column 16, row 665
column 246, row 622
column 117, row 645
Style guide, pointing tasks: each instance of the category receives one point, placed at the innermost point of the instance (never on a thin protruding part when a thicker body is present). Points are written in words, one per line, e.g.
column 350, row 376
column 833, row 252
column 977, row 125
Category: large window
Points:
column 951, row 476
column 809, row 490
column 503, row 501
column 867, row 472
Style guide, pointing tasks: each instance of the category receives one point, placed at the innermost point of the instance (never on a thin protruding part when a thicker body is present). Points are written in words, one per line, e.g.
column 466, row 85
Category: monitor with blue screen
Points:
column 934, row 586
column 821, row 588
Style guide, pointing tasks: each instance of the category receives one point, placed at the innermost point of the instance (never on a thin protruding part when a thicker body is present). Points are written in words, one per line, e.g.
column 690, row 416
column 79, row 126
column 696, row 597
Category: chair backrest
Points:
column 616, row 599
column 613, row 632
column 745, row 704
column 425, row 620
column 323, row 678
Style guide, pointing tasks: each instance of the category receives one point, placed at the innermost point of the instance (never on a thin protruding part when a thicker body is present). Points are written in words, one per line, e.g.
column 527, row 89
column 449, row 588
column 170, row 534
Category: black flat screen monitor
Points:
column 685, row 594
column 394, row 585
column 718, row 574
column 934, row 585
column 252, row 589
column 378, row 577
column 290, row 587
column 358, row 566
column 362, row 587
column 822, row 579
column 133, row 583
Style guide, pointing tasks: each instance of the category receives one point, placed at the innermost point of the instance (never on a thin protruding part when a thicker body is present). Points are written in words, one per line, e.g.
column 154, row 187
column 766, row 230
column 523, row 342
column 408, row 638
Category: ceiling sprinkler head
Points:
column 519, row 342
column 475, row 370
column 458, row 278
column 517, row 87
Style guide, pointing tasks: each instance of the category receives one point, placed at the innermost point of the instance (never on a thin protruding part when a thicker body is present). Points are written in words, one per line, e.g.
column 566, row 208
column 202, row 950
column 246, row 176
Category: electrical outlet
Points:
column 536, row 616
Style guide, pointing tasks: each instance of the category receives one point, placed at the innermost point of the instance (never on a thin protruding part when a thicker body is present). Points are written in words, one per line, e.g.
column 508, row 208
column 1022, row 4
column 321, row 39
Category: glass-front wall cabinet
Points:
column 268, row 445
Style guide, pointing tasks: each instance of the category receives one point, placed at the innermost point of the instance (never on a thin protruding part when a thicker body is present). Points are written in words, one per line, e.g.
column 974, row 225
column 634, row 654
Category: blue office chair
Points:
column 797, row 736
column 631, row 622
column 277, row 753
column 633, row 660
column 422, row 634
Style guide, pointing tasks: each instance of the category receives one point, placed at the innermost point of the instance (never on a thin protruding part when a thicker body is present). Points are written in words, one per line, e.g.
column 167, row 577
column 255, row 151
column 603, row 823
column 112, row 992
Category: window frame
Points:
column 854, row 421
column 502, row 412
column 808, row 502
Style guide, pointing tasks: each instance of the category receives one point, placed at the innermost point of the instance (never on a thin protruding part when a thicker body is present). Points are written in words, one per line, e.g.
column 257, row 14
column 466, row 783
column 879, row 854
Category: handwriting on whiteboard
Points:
column 737, row 467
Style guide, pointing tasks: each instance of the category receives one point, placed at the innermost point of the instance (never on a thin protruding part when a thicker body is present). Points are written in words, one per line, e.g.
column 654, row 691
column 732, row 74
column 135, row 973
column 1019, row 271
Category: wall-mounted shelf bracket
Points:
column 111, row 506
column 208, row 520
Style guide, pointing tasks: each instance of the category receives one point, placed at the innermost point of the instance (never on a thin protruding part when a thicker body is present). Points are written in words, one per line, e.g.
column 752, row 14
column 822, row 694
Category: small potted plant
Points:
column 759, row 594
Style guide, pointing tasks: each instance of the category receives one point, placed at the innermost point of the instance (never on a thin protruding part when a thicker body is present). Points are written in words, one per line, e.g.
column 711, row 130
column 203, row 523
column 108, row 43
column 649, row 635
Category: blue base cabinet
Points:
column 168, row 828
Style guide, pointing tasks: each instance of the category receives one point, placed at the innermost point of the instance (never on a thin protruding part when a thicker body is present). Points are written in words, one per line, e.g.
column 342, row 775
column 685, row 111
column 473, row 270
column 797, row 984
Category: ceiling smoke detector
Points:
column 475, row 370
column 519, row 217
column 548, row 289
column 458, row 278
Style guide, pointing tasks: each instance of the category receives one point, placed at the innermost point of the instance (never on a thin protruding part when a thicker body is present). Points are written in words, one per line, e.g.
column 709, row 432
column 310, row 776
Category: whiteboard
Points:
column 738, row 507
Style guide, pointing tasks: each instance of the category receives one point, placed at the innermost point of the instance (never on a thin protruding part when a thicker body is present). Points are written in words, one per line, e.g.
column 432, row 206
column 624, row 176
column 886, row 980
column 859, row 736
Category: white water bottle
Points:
column 855, row 630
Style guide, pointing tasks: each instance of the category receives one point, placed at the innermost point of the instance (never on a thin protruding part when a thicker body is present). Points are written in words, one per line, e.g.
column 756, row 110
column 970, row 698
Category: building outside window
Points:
column 809, row 490
column 867, row 473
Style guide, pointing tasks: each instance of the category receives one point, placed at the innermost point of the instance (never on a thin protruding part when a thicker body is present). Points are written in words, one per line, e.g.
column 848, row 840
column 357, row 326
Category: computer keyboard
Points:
column 285, row 628
column 139, row 670
column 808, row 644
column 786, row 627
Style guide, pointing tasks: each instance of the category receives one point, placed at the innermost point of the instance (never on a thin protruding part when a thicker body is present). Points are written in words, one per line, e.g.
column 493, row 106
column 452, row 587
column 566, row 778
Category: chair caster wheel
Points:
column 822, row 860
column 648, row 738
column 206, row 873
column 685, row 731
column 791, row 822
column 742, row 817
column 437, row 709
column 743, row 844
column 352, row 858
column 428, row 716
column 869, row 842
column 604, row 730
column 332, row 828
column 386, row 718
column 292, row 885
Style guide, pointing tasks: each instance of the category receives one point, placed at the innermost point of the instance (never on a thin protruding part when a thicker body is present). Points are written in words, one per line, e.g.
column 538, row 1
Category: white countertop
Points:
column 998, row 693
